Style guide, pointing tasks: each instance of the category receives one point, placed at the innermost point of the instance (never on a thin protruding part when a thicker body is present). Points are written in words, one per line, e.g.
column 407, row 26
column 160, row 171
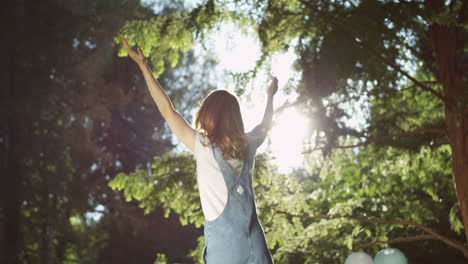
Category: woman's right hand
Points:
column 273, row 88
column 139, row 58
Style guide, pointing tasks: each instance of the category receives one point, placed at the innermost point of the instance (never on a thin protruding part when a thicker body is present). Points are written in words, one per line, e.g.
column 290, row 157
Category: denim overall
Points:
column 236, row 236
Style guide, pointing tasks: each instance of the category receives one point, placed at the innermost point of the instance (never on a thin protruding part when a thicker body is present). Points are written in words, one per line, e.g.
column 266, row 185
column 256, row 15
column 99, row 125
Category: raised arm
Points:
column 261, row 130
column 183, row 131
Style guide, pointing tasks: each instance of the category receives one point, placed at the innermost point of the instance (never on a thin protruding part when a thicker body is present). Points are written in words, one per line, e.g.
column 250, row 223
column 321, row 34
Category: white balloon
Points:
column 359, row 258
column 390, row 256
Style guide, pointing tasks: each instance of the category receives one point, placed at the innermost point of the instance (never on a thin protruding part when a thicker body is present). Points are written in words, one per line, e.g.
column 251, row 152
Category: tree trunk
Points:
column 12, row 177
column 11, row 194
column 444, row 41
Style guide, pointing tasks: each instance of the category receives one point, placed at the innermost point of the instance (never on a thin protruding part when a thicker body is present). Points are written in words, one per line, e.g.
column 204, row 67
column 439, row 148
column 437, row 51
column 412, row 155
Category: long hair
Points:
column 220, row 120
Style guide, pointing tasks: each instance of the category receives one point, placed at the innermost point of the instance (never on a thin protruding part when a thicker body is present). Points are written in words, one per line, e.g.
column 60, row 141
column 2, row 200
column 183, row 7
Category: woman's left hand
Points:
column 139, row 58
column 273, row 88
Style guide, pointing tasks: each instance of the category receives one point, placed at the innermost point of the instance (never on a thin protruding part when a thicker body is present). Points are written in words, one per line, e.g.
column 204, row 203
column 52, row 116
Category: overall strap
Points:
column 229, row 176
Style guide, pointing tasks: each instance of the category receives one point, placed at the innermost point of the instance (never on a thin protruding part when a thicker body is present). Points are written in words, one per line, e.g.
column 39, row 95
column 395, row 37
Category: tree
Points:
column 400, row 37
column 378, row 54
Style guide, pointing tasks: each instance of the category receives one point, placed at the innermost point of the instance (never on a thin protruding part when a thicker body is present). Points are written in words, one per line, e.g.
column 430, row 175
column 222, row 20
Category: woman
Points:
column 225, row 159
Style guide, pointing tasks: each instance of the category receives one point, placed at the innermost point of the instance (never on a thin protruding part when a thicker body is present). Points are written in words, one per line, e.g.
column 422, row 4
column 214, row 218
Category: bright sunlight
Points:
column 287, row 139
column 238, row 52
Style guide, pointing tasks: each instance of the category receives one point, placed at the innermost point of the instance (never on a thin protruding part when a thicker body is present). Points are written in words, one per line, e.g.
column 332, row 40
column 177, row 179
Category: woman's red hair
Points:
column 220, row 120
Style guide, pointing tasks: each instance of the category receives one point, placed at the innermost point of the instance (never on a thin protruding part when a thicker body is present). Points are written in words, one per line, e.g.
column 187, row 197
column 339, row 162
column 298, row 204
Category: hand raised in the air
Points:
column 273, row 88
column 138, row 56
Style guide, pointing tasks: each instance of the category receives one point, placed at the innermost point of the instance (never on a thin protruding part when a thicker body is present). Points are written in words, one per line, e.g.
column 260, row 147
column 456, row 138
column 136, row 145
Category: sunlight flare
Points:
column 287, row 139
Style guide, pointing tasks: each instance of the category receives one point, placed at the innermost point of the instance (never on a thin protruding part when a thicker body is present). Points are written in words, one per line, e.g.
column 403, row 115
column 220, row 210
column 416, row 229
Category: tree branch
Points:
column 399, row 240
column 438, row 144
column 389, row 63
column 383, row 138
column 289, row 104
column 364, row 45
column 452, row 243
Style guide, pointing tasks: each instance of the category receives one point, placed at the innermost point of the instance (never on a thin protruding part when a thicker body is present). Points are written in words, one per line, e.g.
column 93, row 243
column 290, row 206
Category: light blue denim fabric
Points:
column 236, row 236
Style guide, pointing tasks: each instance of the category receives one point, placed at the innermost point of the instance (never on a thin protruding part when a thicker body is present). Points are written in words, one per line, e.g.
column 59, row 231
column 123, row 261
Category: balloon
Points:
column 390, row 256
column 359, row 258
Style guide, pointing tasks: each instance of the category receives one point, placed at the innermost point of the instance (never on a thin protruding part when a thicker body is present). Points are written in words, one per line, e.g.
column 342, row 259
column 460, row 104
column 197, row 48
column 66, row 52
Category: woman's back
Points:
column 235, row 235
column 211, row 183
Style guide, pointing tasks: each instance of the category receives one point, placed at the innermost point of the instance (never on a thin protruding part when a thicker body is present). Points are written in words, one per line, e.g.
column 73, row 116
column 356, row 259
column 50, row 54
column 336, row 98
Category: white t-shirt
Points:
column 213, row 190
